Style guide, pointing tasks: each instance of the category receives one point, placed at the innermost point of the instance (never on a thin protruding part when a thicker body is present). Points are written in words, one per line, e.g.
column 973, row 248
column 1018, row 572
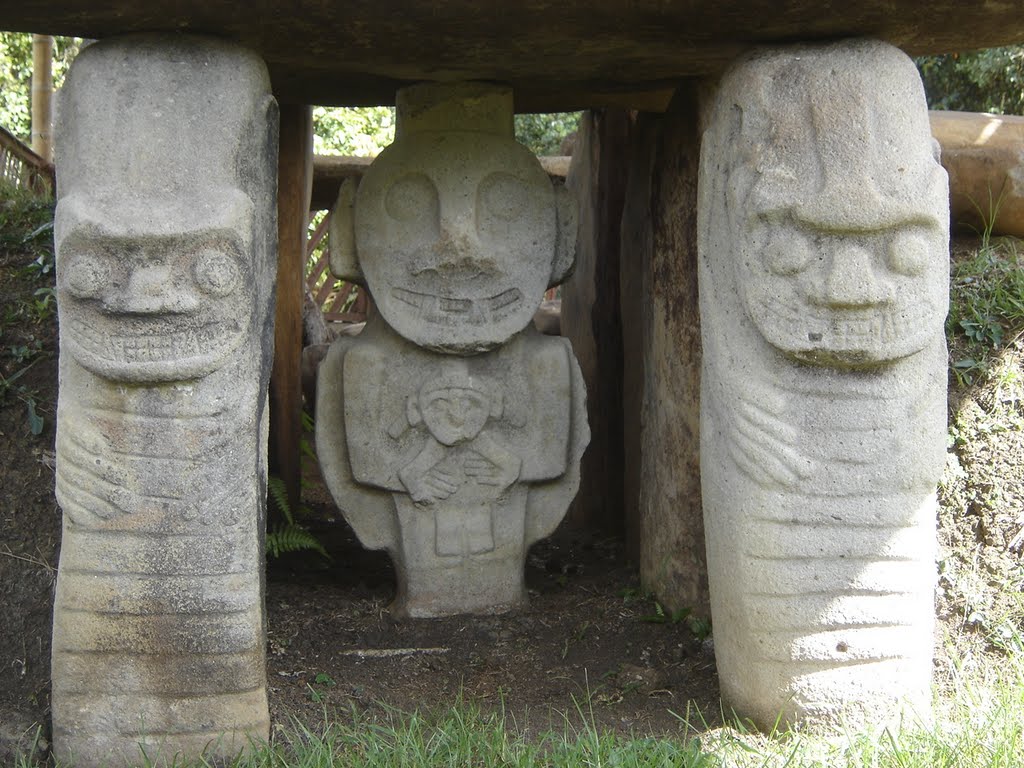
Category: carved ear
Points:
column 342, row 231
column 497, row 403
column 565, row 241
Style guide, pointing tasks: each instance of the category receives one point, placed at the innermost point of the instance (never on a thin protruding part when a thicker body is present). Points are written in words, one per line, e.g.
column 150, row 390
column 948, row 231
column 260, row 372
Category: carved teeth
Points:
column 843, row 328
column 163, row 346
column 447, row 310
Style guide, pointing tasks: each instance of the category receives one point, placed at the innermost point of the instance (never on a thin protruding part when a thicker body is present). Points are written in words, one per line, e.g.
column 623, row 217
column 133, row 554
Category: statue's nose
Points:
column 851, row 282
column 152, row 290
column 457, row 251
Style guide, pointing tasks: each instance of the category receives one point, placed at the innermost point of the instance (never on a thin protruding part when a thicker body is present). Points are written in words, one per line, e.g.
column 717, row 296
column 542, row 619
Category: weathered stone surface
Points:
column 455, row 223
column 823, row 271
column 556, row 54
column 455, row 465
column 590, row 310
column 450, row 431
column 165, row 235
column 661, row 355
column 984, row 156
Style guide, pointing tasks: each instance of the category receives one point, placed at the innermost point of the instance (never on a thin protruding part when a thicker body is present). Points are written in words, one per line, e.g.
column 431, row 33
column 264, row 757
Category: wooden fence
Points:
column 340, row 301
column 21, row 167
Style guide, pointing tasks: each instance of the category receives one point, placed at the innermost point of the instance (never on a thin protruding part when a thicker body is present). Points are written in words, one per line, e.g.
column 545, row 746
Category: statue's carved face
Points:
column 454, row 414
column 456, row 236
column 838, row 206
column 153, row 308
column 844, row 298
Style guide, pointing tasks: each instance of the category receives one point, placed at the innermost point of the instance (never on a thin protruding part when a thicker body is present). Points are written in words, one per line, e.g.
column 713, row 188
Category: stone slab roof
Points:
column 557, row 54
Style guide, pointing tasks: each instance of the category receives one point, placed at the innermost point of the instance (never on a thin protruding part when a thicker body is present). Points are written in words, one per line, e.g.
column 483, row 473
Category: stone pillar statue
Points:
column 166, row 240
column 823, row 288
column 450, row 431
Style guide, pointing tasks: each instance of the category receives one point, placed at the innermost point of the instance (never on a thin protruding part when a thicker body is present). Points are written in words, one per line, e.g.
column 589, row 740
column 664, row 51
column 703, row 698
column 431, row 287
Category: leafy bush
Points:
column 365, row 131
column 16, row 77
column 990, row 80
column 359, row 131
column 543, row 133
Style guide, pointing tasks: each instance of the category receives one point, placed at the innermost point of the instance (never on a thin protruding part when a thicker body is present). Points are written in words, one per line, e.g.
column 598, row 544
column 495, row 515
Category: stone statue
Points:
column 823, row 249
column 165, row 236
column 450, row 431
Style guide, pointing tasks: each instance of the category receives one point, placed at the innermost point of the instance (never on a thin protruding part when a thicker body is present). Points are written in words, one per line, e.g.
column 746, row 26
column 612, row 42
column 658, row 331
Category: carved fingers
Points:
column 763, row 445
column 434, row 485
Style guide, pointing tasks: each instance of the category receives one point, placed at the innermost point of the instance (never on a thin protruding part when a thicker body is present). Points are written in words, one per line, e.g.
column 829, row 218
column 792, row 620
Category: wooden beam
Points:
column 295, row 177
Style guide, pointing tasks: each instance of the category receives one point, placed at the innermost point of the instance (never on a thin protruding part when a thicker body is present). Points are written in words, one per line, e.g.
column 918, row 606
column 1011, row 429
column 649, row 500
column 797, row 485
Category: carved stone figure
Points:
column 165, row 236
column 450, row 431
column 823, row 275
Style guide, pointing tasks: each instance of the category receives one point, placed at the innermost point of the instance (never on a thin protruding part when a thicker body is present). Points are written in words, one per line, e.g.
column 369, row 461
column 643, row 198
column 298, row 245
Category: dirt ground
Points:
column 589, row 641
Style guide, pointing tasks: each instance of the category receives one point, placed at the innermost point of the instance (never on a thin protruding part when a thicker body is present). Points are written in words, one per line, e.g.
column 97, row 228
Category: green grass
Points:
column 986, row 306
column 981, row 725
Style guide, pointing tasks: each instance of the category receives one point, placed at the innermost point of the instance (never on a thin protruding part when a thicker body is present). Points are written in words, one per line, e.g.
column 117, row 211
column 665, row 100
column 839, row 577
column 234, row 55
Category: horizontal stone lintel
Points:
column 558, row 56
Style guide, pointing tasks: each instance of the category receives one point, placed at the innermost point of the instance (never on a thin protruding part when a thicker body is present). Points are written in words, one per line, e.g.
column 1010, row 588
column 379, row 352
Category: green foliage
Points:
column 698, row 625
column 986, row 306
column 10, row 387
column 26, row 232
column 289, row 536
column 543, row 133
column 990, row 80
column 26, row 224
column 365, row 131
column 16, row 77
column 361, row 131
column 465, row 736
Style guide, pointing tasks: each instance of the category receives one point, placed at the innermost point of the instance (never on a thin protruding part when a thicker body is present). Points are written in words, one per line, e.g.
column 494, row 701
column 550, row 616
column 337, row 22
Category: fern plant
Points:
column 289, row 536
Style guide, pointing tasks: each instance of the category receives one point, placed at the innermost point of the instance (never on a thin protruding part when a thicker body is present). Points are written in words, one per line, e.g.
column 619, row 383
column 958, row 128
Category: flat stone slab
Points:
column 984, row 156
column 557, row 55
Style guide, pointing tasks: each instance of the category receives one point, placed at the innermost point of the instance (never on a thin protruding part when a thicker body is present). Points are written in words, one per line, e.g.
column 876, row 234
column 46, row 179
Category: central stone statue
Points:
column 450, row 431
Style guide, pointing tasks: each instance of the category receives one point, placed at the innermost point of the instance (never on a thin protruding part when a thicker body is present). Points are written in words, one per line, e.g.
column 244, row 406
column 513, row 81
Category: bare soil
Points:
column 29, row 517
column 590, row 644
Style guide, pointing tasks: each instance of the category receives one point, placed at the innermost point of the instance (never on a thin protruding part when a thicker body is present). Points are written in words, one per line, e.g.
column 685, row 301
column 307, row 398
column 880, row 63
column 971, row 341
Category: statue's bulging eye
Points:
column 786, row 256
column 87, row 276
column 216, row 273
column 909, row 254
column 503, row 196
column 412, row 198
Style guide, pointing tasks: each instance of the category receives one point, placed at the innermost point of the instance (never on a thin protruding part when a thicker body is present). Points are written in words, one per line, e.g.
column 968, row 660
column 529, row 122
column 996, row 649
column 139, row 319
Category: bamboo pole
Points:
column 42, row 96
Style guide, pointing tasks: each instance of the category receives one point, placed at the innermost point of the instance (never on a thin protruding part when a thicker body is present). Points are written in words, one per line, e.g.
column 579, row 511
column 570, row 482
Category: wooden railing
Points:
column 23, row 168
column 340, row 301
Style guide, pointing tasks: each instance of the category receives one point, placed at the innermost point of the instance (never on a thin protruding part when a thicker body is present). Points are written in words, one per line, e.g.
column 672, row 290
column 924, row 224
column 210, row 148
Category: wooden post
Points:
column 633, row 276
column 42, row 96
column 294, row 184
column 590, row 310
